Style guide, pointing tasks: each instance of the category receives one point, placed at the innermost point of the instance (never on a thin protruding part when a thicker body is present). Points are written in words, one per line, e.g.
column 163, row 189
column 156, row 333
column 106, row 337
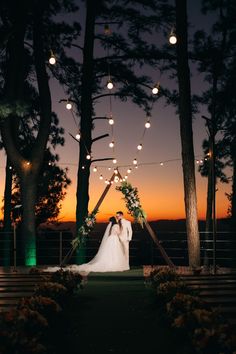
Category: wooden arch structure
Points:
column 145, row 222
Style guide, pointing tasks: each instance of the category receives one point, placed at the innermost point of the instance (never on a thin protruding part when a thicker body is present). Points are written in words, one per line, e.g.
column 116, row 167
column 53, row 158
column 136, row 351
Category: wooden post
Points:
column 157, row 242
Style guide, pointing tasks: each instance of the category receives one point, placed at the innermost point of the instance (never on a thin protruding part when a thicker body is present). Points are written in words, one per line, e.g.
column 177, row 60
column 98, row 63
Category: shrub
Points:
column 182, row 303
column 67, row 278
column 22, row 331
column 166, row 291
column 162, row 275
column 55, row 291
column 44, row 305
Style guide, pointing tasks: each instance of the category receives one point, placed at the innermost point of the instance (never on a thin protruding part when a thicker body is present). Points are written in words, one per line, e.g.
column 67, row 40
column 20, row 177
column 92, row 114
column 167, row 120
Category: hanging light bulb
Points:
column 155, row 89
column 109, row 168
column 110, row 84
column 10, row 167
column 161, row 163
column 68, row 106
column 101, row 177
column 172, row 37
column 135, row 161
column 116, row 171
column 111, row 144
column 114, row 161
column 147, row 124
column 78, row 136
column 88, row 157
column 129, row 170
column 136, row 166
column 140, row 146
column 116, row 179
column 83, row 167
column 95, row 169
column 126, row 177
column 111, row 121
column 52, row 59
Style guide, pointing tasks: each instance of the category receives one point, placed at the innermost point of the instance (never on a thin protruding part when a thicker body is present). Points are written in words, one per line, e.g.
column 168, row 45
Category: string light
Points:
column 101, row 177
column 109, row 168
column 140, row 146
column 172, row 37
column 116, row 171
column 88, row 157
column 10, row 167
column 135, row 161
column 111, row 144
column 27, row 163
column 78, row 136
column 83, row 167
column 161, row 163
column 110, row 84
column 126, row 177
column 111, row 121
column 129, row 170
column 95, row 169
column 147, row 124
column 155, row 89
column 68, row 106
column 52, row 59
column 114, row 161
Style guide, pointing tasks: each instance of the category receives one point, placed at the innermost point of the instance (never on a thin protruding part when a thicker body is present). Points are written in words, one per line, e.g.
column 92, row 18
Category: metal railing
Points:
column 52, row 246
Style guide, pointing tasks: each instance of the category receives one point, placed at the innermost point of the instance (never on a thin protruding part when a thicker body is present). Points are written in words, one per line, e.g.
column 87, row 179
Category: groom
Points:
column 126, row 234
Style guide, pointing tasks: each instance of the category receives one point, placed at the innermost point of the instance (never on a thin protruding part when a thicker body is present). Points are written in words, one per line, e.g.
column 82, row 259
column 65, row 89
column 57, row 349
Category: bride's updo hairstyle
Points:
column 113, row 222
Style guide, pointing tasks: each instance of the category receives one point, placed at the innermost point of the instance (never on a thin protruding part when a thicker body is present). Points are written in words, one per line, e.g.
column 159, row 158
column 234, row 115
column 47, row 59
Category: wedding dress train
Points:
column 111, row 256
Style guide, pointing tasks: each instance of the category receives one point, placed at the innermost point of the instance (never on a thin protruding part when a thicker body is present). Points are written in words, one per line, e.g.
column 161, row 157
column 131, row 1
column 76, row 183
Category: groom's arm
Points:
column 130, row 231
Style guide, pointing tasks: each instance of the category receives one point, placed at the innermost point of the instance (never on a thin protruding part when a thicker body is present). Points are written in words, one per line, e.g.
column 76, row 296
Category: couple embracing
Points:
column 113, row 253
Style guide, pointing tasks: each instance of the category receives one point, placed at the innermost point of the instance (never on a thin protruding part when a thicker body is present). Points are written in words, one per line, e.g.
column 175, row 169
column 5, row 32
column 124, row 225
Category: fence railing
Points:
column 52, row 246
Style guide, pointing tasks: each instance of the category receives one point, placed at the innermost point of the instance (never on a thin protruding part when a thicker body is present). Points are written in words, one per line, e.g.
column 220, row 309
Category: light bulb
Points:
column 52, row 59
column 95, row 169
column 68, row 105
column 140, row 146
column 10, row 167
column 129, row 170
column 83, row 167
column 114, row 161
column 135, row 161
column 78, row 136
column 155, row 89
column 88, row 157
column 110, row 84
column 109, row 168
column 197, row 162
column 161, row 163
column 126, row 177
column 111, row 145
column 27, row 163
column 136, row 166
column 101, row 177
column 147, row 124
column 116, row 171
column 172, row 37
column 111, row 121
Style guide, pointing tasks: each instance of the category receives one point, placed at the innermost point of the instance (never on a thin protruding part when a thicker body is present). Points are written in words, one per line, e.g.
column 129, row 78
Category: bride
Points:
column 111, row 256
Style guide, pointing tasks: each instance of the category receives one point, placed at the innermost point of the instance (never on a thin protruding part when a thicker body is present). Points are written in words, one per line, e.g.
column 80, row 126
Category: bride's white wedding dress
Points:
column 110, row 257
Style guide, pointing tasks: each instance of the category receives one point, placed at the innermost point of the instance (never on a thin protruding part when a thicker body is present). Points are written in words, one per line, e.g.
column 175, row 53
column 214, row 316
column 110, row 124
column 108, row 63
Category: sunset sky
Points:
column 160, row 186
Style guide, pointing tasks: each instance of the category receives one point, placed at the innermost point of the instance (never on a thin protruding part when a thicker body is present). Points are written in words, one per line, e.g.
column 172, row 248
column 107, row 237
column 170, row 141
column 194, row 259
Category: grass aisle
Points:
column 116, row 313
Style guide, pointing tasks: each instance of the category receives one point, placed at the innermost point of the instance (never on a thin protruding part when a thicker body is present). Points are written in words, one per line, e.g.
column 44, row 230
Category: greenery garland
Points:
column 132, row 201
column 85, row 229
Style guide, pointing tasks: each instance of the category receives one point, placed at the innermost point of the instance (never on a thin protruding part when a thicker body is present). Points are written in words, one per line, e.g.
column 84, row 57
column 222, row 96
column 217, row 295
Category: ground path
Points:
column 117, row 314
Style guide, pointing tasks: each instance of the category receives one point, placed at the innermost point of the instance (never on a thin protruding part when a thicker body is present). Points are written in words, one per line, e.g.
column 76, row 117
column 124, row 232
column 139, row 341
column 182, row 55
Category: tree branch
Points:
column 99, row 137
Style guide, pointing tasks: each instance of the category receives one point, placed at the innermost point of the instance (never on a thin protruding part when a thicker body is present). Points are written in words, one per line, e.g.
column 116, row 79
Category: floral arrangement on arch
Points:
column 85, row 229
column 132, row 201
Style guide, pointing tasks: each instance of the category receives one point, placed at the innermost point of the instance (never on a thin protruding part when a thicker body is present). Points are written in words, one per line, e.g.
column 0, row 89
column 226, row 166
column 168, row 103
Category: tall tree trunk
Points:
column 7, row 198
column 86, row 122
column 208, row 227
column 7, row 227
column 28, row 188
column 185, row 114
column 14, row 90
